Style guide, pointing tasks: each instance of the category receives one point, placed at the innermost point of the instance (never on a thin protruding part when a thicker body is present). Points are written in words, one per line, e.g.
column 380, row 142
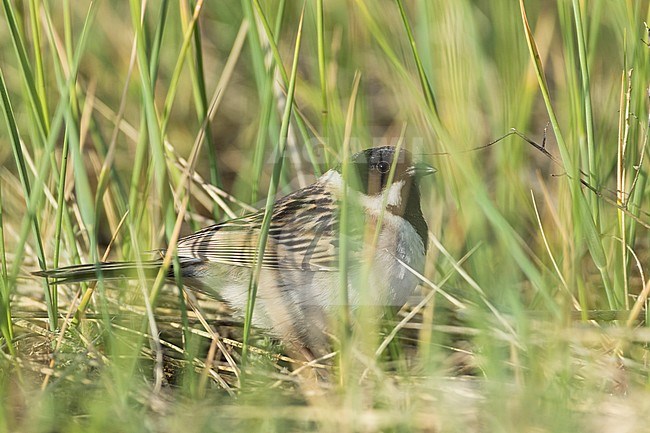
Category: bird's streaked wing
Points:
column 303, row 235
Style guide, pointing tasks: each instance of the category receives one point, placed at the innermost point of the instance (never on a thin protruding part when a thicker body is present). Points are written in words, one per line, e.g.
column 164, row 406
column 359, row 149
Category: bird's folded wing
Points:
column 303, row 236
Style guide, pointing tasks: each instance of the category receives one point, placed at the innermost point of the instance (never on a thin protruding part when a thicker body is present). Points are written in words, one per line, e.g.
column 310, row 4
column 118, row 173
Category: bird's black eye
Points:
column 383, row 167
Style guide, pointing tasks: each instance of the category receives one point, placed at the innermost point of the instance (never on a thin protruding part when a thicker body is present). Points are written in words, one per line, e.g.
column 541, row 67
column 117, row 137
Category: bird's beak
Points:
column 421, row 169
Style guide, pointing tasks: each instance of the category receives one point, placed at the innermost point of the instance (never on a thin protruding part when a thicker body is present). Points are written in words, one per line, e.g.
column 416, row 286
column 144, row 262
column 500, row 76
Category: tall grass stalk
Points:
column 201, row 103
column 28, row 191
column 273, row 187
column 584, row 218
column 424, row 80
column 300, row 123
column 345, row 227
column 6, row 326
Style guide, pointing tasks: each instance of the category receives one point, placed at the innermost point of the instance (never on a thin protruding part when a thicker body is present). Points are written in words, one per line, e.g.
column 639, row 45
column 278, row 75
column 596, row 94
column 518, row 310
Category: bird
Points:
column 299, row 281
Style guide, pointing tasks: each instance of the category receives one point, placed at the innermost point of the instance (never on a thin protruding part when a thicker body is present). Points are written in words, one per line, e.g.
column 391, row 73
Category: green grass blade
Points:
column 300, row 123
column 20, row 163
column 59, row 216
column 583, row 215
column 268, row 123
column 158, row 169
column 383, row 40
column 201, row 104
column 273, row 187
column 72, row 139
column 154, row 62
column 344, row 212
column 26, row 70
column 38, row 57
column 588, row 110
column 188, row 37
column 424, row 80
column 320, row 34
column 6, row 326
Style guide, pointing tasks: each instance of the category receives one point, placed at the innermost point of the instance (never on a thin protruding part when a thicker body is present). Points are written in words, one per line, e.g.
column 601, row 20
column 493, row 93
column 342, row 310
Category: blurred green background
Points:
column 534, row 318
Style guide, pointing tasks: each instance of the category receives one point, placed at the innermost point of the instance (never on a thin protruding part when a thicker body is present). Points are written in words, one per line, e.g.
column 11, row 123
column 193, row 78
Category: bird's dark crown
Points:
column 370, row 168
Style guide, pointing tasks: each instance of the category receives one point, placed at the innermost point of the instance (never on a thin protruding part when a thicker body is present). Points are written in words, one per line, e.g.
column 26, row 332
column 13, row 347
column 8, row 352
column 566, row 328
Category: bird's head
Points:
column 387, row 180
column 372, row 169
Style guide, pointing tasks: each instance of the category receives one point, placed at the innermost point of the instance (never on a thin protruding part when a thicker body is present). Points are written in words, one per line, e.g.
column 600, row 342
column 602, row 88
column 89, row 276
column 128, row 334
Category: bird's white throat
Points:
column 391, row 196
